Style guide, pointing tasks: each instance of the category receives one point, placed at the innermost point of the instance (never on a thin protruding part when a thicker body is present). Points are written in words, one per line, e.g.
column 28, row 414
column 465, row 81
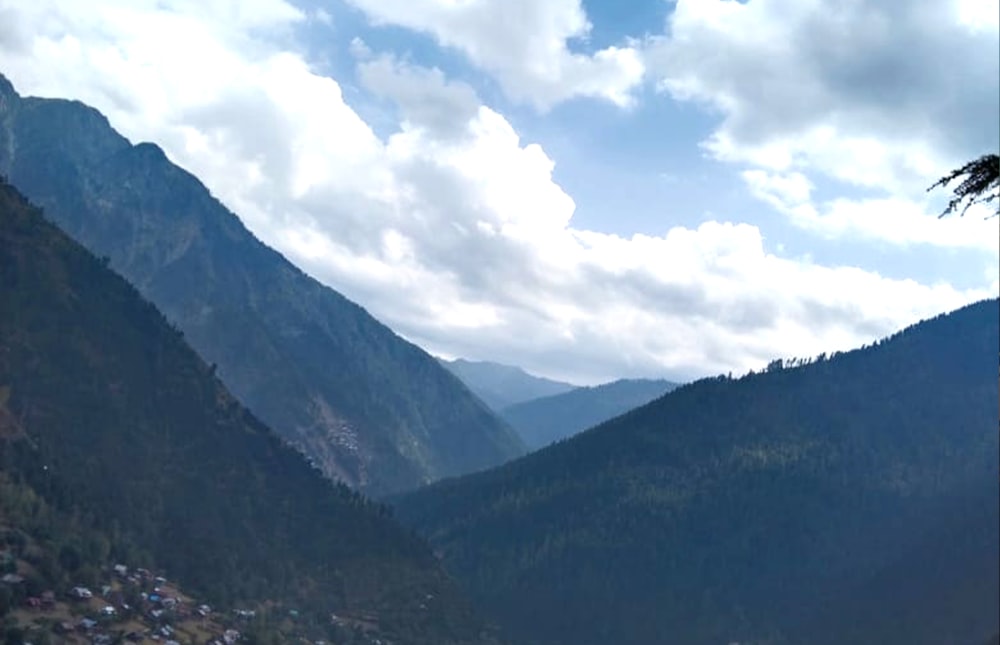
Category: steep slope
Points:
column 366, row 406
column 540, row 422
column 117, row 424
column 500, row 386
column 782, row 507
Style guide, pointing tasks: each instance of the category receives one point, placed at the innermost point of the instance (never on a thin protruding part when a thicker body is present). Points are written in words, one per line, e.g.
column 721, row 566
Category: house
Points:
column 34, row 602
column 48, row 599
column 12, row 579
column 108, row 610
column 87, row 624
column 81, row 593
column 120, row 570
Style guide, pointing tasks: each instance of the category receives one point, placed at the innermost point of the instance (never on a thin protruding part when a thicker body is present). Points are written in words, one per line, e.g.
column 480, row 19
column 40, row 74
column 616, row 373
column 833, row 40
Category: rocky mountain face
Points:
column 365, row 406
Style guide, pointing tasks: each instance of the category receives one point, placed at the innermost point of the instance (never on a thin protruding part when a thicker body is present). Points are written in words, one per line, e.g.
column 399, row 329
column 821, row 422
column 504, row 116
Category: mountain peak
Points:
column 314, row 366
column 149, row 150
column 6, row 87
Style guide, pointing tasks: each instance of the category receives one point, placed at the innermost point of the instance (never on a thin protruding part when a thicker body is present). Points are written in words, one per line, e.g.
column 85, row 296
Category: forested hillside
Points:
column 364, row 405
column 135, row 452
column 850, row 500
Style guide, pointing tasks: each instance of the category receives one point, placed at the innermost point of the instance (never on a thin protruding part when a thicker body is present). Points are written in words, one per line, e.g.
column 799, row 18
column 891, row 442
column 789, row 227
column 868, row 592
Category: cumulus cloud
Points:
column 887, row 95
column 451, row 229
column 424, row 96
column 882, row 96
column 893, row 220
column 525, row 44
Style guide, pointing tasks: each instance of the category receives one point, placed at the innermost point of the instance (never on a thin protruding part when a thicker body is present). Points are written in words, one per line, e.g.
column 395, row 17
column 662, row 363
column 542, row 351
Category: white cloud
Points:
column 425, row 97
column 462, row 243
column 892, row 220
column 525, row 44
column 880, row 94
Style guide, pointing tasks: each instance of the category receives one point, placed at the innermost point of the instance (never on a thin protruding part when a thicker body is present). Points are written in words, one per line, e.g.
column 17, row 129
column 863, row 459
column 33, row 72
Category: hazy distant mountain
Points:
column 500, row 386
column 119, row 444
column 850, row 500
column 539, row 422
column 366, row 406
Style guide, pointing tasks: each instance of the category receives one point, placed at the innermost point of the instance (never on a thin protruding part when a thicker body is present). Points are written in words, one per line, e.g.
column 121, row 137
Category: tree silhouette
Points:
column 980, row 186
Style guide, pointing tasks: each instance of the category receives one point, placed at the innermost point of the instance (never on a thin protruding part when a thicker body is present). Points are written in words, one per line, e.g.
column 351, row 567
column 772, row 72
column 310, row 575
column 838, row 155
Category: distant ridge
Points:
column 367, row 407
column 500, row 386
column 540, row 422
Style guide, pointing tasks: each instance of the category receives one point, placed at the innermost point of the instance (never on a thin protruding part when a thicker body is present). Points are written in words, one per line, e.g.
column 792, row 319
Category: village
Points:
column 133, row 605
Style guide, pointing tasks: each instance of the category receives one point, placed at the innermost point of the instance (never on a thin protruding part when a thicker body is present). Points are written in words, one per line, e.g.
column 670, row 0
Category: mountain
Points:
column 501, row 386
column 364, row 405
column 853, row 499
column 540, row 422
column 111, row 426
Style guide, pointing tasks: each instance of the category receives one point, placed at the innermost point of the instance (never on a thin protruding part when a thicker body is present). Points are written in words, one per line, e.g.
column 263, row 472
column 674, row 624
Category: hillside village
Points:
column 130, row 604
column 136, row 605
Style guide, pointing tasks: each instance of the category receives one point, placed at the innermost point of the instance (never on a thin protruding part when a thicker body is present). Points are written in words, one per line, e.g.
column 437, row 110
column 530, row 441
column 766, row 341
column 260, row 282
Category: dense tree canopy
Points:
column 848, row 499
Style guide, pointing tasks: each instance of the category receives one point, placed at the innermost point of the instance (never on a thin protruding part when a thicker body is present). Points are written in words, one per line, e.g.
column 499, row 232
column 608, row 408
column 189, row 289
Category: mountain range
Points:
column 367, row 407
column 500, row 386
column 119, row 444
column 853, row 499
column 146, row 350
column 545, row 420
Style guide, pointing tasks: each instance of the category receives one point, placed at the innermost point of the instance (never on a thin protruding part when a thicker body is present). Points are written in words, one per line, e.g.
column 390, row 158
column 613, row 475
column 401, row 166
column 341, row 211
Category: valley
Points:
column 424, row 322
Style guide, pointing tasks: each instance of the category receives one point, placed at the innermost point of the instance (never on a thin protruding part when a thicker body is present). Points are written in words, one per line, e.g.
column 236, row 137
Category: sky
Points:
column 587, row 189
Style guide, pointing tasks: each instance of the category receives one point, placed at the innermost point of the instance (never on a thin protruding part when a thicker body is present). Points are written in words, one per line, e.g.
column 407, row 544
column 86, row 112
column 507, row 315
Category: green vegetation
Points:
column 849, row 499
column 117, row 443
column 366, row 407
column 542, row 421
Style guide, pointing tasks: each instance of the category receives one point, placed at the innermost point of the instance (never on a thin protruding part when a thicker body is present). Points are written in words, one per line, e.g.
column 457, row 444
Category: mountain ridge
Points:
column 545, row 420
column 500, row 386
column 366, row 406
column 131, row 439
column 735, row 509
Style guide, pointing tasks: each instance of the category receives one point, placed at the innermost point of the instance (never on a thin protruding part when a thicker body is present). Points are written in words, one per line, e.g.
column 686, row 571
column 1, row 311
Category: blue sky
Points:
column 587, row 189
